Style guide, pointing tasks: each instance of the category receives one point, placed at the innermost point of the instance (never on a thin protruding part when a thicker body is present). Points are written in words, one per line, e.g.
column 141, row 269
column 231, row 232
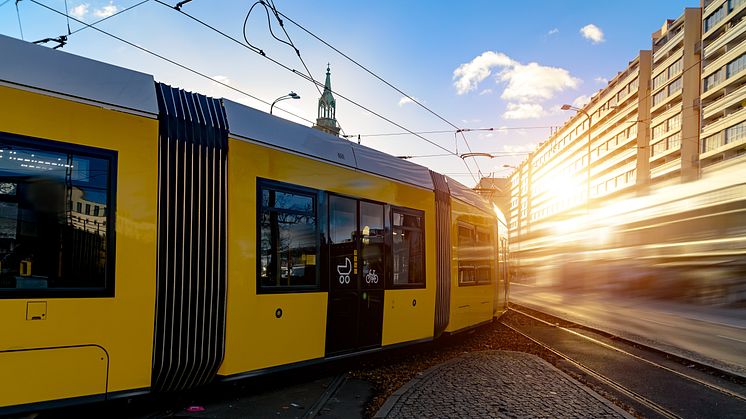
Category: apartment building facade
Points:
column 674, row 114
column 723, row 135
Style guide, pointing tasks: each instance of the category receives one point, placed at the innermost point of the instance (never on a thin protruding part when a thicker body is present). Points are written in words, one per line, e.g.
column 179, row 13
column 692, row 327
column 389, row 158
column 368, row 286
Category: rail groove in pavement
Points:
column 657, row 388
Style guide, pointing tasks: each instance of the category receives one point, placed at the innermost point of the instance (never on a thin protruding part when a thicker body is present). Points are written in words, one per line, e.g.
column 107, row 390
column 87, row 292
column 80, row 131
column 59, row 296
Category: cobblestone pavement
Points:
column 497, row 384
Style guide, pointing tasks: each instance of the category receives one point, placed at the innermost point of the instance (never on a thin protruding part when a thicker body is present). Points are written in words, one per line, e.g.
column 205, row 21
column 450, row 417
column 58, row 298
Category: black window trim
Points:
column 390, row 260
column 317, row 195
column 56, row 146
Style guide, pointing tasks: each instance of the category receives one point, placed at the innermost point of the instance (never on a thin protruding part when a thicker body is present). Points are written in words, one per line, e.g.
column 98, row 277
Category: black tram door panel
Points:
column 356, row 276
column 372, row 252
column 342, row 313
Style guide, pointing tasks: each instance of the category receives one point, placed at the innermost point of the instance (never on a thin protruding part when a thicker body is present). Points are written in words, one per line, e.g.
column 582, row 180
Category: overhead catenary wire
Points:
column 164, row 58
column 413, row 99
column 297, row 51
column 448, row 131
column 298, row 73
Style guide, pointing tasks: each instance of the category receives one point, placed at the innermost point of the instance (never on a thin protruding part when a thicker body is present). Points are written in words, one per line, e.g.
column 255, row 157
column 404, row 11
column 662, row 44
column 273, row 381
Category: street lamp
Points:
column 291, row 95
column 567, row 107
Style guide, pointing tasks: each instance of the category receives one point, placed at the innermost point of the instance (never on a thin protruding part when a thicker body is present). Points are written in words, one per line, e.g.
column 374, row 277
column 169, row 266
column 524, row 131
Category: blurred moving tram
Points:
column 685, row 242
column 154, row 240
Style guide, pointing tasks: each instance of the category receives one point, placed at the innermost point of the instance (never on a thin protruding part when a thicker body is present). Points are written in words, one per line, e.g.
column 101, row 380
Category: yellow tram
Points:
column 153, row 239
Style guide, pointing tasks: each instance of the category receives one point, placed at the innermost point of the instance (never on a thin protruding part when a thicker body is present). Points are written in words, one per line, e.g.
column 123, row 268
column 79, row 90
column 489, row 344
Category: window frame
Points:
column 267, row 184
column 112, row 156
column 390, row 248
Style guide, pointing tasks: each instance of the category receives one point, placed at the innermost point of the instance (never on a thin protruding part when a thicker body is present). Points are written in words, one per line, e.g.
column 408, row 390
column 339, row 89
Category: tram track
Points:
column 649, row 387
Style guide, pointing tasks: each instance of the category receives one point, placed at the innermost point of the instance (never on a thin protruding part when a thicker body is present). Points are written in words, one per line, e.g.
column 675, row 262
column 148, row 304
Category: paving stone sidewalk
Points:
column 497, row 384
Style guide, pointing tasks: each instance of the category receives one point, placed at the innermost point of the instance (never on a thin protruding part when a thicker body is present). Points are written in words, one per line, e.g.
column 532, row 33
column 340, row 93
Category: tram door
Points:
column 356, row 275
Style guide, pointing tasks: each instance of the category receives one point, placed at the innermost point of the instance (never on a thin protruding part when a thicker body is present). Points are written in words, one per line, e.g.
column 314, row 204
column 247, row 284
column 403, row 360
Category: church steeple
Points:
column 326, row 120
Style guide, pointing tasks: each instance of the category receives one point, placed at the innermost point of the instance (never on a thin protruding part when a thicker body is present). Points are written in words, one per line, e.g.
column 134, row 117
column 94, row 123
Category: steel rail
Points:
column 637, row 357
column 627, row 392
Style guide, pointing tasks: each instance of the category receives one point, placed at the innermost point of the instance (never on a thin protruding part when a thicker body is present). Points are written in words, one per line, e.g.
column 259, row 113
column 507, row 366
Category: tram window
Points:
column 408, row 248
column 288, row 235
column 467, row 274
column 373, row 241
column 48, row 244
column 485, row 255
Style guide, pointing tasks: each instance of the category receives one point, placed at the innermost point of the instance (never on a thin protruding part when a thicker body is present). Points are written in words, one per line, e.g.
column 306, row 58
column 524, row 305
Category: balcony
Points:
column 720, row 62
column 672, row 43
column 608, row 163
column 728, row 100
column 723, row 123
column 720, row 24
column 722, row 147
column 666, row 101
column 665, row 168
column 726, row 38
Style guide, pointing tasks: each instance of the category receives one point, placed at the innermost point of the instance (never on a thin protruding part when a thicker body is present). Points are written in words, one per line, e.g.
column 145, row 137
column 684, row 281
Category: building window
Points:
column 712, row 142
column 659, row 97
column 659, row 80
column 714, row 79
column 735, row 66
column 735, row 133
column 714, row 18
column 658, row 130
column 45, row 248
column 408, row 247
column 674, row 122
column 79, row 207
column 675, row 68
column 288, row 237
column 658, row 148
column 674, row 87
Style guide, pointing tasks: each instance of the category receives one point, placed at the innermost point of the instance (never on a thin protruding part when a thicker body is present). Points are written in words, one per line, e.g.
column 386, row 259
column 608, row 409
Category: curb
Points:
column 389, row 404
column 391, row 401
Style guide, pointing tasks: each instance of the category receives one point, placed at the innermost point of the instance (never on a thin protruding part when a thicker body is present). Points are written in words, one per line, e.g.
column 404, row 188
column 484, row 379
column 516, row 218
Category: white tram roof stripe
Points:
column 252, row 124
column 59, row 72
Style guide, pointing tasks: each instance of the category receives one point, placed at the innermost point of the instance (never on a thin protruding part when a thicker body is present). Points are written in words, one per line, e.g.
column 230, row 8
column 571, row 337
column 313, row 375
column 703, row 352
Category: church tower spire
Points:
column 326, row 120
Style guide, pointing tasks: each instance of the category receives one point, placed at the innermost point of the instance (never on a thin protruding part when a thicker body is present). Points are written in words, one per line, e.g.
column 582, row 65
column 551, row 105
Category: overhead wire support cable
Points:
column 292, row 70
column 164, row 58
column 107, row 17
column 67, row 12
column 18, row 13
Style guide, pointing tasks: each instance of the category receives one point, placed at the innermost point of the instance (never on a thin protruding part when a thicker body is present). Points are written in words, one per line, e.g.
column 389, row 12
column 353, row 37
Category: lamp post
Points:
column 291, row 95
column 590, row 138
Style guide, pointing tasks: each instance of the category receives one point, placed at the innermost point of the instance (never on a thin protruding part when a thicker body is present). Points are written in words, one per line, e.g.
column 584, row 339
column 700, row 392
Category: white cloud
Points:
column 527, row 86
column 581, row 101
column 524, row 111
column 593, row 33
column 519, row 148
column 80, row 11
column 405, row 100
column 554, row 31
column 222, row 79
column 106, row 11
column 601, row 80
column 535, row 82
column 468, row 75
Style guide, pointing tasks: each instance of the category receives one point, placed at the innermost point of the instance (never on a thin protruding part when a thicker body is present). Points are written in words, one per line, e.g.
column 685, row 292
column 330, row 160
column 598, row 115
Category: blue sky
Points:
column 533, row 57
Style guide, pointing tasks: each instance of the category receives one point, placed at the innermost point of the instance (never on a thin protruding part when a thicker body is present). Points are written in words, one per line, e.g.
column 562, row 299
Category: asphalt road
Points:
column 710, row 335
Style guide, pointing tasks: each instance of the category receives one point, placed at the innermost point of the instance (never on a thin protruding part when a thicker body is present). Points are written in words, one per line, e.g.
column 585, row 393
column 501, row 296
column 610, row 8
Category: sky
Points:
column 475, row 64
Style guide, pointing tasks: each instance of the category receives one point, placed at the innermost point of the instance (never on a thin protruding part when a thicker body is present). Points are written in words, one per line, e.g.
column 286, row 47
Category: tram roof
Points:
column 79, row 77
column 87, row 80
